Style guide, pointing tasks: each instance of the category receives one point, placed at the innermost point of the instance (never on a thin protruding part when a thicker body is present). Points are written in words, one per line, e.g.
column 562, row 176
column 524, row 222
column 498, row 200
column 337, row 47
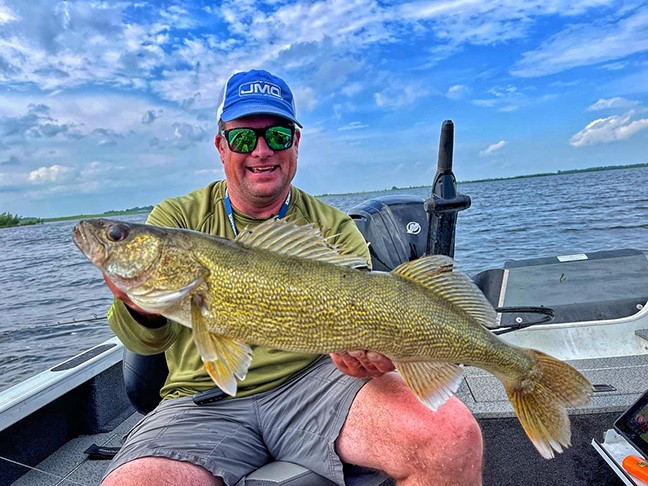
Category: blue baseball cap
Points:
column 256, row 92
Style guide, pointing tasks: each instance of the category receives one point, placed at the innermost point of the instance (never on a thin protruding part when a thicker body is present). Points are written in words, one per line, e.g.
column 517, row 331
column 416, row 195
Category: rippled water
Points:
column 50, row 294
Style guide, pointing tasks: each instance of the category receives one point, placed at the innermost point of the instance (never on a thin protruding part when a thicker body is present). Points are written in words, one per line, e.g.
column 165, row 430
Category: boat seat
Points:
column 595, row 286
column 144, row 376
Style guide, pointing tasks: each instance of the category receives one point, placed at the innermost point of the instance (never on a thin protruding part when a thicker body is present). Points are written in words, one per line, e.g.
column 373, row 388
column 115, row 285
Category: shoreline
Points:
column 143, row 210
column 493, row 179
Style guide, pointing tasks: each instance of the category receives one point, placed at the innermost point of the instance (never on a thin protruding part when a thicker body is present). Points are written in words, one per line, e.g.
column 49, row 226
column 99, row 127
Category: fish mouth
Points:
column 89, row 244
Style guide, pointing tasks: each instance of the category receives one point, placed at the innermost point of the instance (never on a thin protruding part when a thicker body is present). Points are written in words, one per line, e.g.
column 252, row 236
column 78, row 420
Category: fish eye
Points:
column 117, row 232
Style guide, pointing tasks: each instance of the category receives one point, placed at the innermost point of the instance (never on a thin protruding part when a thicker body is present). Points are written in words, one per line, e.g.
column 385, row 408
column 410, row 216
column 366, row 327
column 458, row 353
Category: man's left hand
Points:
column 362, row 364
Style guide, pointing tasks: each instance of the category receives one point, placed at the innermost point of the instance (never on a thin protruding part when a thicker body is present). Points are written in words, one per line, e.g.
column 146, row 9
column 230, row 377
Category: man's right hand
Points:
column 145, row 318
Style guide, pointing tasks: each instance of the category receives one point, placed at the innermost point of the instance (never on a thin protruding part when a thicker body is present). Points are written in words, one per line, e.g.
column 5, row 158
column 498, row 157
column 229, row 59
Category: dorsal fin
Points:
column 301, row 241
column 435, row 274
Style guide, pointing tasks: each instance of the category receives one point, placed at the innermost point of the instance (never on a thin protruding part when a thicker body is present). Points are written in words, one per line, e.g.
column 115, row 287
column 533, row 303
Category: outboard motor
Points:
column 402, row 228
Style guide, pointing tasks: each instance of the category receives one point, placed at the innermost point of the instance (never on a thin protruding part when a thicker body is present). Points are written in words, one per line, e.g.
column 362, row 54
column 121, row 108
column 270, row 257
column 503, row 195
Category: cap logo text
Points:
column 260, row 87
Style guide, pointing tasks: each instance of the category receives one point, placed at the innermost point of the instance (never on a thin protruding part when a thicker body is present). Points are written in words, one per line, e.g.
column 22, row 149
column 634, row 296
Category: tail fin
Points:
column 541, row 398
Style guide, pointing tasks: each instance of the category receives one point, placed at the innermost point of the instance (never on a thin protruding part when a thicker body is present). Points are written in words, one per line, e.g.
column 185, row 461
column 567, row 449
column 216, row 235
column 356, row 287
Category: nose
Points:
column 262, row 150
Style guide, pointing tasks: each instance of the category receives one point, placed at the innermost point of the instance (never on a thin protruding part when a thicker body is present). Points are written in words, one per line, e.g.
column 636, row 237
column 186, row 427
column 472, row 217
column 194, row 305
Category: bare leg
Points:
column 389, row 429
column 160, row 471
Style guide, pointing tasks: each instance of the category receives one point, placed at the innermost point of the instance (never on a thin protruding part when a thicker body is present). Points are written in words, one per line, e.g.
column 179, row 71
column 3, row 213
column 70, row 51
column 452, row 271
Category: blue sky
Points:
column 110, row 105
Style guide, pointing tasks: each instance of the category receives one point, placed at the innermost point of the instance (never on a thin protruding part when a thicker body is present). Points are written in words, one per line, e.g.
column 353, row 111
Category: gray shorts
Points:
column 298, row 422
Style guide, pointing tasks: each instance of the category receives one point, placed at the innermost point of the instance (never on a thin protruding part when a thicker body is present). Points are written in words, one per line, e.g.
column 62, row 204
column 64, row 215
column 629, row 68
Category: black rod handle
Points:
column 446, row 147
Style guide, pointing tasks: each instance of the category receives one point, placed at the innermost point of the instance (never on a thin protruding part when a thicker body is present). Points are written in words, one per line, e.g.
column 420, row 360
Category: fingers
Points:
column 121, row 295
column 371, row 359
column 362, row 364
column 348, row 365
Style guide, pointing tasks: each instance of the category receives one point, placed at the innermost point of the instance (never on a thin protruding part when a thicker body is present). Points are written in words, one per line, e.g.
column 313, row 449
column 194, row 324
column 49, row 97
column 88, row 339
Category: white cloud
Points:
column 586, row 44
column 185, row 135
column 354, row 126
column 344, row 22
column 459, row 22
column 491, row 149
column 399, row 95
column 507, row 99
column 53, row 173
column 610, row 129
column 457, row 92
column 352, row 89
column 151, row 115
column 88, row 43
column 616, row 102
column 6, row 15
column 306, row 99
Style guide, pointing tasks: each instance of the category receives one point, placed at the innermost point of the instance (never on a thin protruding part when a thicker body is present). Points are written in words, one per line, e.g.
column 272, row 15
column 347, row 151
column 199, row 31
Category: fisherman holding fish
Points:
column 317, row 411
column 293, row 284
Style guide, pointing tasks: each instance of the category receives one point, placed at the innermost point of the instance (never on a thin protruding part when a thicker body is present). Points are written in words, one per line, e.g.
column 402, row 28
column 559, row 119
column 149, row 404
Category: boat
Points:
column 60, row 426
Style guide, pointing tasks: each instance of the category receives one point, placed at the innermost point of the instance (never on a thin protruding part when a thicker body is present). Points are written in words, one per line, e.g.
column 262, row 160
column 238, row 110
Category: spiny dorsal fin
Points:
column 301, row 241
column 435, row 274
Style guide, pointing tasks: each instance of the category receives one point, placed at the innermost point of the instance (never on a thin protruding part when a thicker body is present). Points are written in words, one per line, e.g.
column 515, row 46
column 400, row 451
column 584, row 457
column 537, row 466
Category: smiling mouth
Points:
column 258, row 170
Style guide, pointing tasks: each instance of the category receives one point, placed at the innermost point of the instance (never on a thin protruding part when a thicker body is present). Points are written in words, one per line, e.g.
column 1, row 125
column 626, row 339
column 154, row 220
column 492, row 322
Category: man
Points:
column 312, row 410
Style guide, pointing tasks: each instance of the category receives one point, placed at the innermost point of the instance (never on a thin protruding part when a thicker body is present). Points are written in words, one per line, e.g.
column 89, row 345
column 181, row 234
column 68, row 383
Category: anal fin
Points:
column 432, row 382
column 225, row 359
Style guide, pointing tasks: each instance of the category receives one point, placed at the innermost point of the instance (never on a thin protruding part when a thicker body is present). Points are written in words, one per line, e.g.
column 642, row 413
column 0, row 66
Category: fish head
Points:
column 123, row 251
column 153, row 265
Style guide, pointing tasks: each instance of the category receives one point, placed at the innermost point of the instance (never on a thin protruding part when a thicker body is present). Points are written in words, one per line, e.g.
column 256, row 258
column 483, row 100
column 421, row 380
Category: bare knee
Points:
column 464, row 446
column 418, row 446
column 160, row 471
column 447, row 448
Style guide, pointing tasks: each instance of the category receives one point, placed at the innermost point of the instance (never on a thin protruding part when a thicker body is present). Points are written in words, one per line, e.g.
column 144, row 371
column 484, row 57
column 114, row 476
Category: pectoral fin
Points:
column 157, row 300
column 225, row 359
column 432, row 383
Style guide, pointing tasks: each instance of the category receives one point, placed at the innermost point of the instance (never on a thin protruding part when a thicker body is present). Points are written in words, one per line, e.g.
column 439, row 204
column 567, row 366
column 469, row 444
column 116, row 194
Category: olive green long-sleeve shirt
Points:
column 203, row 210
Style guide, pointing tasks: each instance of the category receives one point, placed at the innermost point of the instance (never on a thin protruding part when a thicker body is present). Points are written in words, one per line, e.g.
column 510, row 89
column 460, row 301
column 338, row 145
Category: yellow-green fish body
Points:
column 283, row 286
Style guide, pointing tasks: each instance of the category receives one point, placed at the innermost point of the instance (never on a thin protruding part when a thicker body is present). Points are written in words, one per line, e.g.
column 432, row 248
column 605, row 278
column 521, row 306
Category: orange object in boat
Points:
column 636, row 466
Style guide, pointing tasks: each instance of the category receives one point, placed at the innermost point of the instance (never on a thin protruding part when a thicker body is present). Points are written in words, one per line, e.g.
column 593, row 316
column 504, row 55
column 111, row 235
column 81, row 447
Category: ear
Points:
column 218, row 143
column 297, row 139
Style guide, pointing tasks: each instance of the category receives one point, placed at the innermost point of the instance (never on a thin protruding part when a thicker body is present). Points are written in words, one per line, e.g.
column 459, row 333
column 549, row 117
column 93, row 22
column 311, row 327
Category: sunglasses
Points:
column 244, row 140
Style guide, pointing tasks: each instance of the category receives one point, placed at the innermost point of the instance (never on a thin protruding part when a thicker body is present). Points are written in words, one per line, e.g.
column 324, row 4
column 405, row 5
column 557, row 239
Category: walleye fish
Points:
column 283, row 286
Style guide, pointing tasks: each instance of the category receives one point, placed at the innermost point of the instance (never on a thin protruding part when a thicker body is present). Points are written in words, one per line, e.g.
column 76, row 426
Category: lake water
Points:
column 53, row 302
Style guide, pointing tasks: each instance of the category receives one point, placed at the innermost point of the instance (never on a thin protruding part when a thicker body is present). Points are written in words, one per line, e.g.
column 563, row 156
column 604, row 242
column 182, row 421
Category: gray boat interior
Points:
column 596, row 286
column 49, row 420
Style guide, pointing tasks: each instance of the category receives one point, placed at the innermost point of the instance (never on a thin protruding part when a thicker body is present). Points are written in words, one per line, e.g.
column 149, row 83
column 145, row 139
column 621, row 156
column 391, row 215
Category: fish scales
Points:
column 324, row 308
column 283, row 286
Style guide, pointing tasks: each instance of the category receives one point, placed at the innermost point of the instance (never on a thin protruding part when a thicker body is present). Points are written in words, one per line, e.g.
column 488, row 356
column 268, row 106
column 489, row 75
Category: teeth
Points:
column 261, row 169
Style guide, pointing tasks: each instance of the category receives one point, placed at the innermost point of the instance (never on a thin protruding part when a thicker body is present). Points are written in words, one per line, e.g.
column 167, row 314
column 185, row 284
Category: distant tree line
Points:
column 7, row 220
column 136, row 209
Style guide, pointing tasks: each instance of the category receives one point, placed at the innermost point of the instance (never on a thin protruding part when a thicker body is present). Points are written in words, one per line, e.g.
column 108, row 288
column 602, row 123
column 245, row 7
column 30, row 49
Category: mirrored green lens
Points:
column 242, row 140
column 279, row 138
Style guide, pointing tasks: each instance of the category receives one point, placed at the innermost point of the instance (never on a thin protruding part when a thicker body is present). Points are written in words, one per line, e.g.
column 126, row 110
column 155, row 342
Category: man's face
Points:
column 262, row 176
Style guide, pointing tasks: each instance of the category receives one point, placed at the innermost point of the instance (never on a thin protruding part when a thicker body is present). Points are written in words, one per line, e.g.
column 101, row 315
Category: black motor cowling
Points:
column 396, row 228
